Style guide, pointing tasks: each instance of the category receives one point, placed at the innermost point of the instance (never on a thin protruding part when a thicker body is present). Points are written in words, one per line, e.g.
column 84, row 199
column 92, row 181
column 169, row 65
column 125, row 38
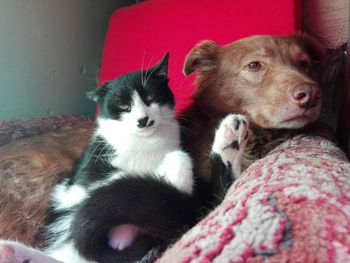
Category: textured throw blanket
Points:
column 34, row 155
column 291, row 206
column 13, row 130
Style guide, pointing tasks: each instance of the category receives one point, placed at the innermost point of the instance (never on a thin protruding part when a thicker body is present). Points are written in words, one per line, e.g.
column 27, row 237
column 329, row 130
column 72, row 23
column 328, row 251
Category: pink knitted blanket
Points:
column 291, row 206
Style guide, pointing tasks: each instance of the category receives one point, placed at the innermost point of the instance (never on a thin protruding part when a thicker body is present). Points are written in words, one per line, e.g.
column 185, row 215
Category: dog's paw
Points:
column 176, row 168
column 122, row 236
column 230, row 140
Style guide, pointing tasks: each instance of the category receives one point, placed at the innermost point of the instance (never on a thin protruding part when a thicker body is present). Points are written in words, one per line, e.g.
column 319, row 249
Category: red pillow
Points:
column 141, row 34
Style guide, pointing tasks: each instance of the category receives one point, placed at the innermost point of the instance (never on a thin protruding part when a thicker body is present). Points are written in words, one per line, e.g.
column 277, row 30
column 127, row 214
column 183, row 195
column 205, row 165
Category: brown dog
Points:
column 269, row 82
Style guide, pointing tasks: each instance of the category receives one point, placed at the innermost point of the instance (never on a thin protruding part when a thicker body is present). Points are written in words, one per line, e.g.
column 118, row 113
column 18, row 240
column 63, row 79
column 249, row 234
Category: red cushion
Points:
column 141, row 34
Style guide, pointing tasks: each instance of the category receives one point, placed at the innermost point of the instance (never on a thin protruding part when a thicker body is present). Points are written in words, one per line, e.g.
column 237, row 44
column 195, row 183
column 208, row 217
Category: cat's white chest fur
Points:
column 143, row 154
column 140, row 153
column 154, row 151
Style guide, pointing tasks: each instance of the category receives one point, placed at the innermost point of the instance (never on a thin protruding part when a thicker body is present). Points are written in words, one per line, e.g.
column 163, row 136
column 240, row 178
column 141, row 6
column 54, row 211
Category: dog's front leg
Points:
column 227, row 151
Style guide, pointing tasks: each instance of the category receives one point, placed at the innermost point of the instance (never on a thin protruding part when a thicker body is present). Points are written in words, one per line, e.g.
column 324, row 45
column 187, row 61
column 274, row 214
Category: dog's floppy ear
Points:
column 311, row 45
column 201, row 58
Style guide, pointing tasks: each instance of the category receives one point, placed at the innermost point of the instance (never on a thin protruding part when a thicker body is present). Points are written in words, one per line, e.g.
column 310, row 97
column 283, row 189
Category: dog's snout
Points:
column 306, row 95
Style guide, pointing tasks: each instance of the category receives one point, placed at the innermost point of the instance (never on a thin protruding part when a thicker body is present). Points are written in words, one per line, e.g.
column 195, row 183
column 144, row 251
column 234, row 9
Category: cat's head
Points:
column 137, row 101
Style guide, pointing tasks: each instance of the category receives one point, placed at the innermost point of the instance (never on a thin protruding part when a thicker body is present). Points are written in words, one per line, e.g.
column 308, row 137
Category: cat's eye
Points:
column 123, row 107
column 150, row 98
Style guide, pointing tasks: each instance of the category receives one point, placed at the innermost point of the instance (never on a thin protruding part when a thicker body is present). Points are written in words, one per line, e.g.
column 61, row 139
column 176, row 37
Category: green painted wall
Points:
column 50, row 52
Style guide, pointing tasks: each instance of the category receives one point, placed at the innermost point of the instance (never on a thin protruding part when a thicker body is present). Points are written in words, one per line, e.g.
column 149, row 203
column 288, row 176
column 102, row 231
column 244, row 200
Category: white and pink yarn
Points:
column 291, row 206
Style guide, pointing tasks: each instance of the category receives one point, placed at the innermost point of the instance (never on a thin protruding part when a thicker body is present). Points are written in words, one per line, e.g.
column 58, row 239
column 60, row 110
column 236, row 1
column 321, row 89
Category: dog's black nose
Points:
column 142, row 123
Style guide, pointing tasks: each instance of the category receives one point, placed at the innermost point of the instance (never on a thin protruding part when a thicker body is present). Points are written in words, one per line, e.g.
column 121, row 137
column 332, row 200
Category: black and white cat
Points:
column 132, row 190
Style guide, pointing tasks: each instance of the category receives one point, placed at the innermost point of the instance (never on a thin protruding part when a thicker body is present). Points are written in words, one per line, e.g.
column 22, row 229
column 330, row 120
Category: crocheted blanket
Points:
column 291, row 206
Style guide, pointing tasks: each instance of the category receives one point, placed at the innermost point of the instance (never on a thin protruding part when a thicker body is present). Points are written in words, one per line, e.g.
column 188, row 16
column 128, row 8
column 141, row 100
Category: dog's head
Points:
column 271, row 79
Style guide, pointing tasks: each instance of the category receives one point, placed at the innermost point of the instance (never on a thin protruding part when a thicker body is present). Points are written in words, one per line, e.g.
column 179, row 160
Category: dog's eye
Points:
column 254, row 66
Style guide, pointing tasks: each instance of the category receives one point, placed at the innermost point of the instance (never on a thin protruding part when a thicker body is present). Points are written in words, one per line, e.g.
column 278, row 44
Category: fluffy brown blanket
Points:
column 28, row 169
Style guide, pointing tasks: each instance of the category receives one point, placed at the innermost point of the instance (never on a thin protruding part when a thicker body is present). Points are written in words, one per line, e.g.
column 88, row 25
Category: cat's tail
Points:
column 160, row 210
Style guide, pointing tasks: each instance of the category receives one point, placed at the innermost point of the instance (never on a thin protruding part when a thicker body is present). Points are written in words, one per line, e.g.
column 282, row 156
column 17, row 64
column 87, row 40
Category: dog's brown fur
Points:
column 28, row 170
column 227, row 82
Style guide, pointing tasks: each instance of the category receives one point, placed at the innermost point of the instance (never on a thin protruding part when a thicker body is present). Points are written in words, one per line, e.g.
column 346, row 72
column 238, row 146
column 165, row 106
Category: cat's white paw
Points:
column 230, row 141
column 122, row 236
column 177, row 169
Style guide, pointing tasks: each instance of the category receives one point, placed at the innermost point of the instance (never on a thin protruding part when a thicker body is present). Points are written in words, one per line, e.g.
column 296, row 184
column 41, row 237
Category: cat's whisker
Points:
column 187, row 119
column 153, row 69
column 114, row 89
column 188, row 116
column 207, row 155
column 175, row 124
column 102, row 81
column 179, row 117
column 98, row 156
column 101, row 141
column 142, row 69
column 67, row 167
column 170, row 123
column 185, row 128
column 146, row 72
column 92, row 153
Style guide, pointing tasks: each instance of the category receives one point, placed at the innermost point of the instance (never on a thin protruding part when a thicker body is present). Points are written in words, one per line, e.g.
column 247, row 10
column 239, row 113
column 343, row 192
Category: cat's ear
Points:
column 161, row 68
column 96, row 94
